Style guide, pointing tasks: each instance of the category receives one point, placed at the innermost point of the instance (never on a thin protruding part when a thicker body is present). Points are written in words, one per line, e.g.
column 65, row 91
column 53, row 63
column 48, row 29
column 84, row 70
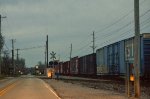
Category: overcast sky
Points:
column 66, row 22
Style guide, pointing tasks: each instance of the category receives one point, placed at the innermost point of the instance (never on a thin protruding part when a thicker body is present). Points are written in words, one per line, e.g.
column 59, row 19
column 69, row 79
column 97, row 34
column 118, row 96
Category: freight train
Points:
column 110, row 60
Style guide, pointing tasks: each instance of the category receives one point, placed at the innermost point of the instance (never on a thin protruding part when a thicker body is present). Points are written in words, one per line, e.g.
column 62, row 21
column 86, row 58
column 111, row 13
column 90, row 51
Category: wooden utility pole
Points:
column 17, row 54
column 127, row 80
column 47, row 49
column 17, row 57
column 93, row 46
column 70, row 58
column 137, row 49
column 13, row 62
column 45, row 55
column 70, row 53
column 1, row 40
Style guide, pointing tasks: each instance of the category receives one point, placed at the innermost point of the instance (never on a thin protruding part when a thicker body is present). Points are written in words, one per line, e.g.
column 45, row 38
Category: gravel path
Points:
column 76, row 91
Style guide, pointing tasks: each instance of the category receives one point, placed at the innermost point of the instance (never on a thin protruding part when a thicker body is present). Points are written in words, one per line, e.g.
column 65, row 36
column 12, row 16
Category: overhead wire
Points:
column 120, row 19
column 29, row 48
column 124, row 33
column 123, row 27
column 103, row 30
column 82, row 48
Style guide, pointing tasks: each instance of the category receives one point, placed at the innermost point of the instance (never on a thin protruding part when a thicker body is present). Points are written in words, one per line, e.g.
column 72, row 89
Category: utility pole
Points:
column 47, row 50
column 13, row 62
column 45, row 55
column 17, row 57
column 1, row 40
column 70, row 51
column 137, row 49
column 127, row 80
column 70, row 56
column 17, row 54
column 93, row 46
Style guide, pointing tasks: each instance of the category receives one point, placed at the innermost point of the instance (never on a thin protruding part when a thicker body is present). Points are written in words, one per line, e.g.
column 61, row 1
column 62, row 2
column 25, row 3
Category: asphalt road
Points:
column 28, row 88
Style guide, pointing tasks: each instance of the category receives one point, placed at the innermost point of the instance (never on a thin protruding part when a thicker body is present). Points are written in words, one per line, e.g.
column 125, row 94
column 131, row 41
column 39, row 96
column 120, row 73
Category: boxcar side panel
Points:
column 66, row 68
column 122, row 58
column 105, row 60
column 61, row 67
column 74, row 66
column 146, row 55
column 116, row 51
column 87, row 64
column 91, row 66
column 101, row 61
column 81, row 65
column 142, row 56
column 110, row 58
column 113, row 58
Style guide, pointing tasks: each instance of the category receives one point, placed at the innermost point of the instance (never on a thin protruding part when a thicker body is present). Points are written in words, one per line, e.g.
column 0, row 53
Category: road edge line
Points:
column 50, row 89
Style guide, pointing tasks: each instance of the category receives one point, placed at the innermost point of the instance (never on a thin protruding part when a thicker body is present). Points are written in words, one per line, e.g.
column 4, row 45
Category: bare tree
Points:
column 1, row 47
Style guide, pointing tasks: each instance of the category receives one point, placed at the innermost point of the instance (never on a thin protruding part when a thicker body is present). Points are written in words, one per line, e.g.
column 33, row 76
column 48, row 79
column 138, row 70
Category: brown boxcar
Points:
column 60, row 67
column 87, row 65
column 66, row 68
column 74, row 66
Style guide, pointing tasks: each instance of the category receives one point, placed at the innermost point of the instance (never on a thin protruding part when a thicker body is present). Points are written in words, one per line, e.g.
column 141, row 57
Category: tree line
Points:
column 6, row 67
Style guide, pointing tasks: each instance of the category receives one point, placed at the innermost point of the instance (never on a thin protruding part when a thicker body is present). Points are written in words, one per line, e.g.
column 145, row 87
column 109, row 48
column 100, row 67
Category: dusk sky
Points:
column 66, row 22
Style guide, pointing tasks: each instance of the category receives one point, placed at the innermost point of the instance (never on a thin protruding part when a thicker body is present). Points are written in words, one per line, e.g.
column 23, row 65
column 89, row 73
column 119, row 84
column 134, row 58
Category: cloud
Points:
column 66, row 22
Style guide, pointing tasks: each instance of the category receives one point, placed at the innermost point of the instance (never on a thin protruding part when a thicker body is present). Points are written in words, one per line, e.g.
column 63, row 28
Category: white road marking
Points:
column 50, row 89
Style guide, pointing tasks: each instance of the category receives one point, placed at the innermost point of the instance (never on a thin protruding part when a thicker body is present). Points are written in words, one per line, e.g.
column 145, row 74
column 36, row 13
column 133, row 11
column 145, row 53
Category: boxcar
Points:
column 101, row 60
column 110, row 59
column 87, row 65
column 113, row 59
column 60, row 68
column 74, row 66
column 112, row 62
column 144, row 53
column 66, row 68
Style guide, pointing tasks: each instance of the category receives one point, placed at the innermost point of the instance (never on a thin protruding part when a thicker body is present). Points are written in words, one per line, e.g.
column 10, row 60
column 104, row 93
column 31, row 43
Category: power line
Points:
column 29, row 48
column 117, row 21
column 145, row 27
column 124, row 33
column 112, row 25
column 123, row 27
column 120, row 29
column 126, row 24
column 87, row 45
